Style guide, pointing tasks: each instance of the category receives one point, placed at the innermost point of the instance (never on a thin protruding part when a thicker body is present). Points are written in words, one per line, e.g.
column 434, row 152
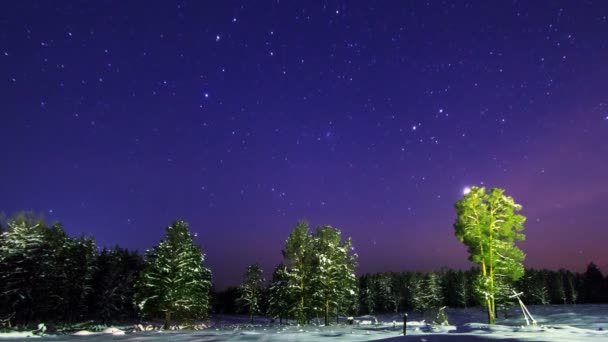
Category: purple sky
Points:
column 119, row 117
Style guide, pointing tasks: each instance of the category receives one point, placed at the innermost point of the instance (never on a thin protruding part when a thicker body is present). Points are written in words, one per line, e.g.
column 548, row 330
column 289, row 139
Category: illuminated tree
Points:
column 279, row 296
column 174, row 283
column 333, row 281
column 297, row 252
column 488, row 224
column 251, row 290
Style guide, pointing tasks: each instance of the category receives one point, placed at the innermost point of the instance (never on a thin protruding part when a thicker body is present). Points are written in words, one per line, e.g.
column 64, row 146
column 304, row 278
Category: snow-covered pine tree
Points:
column 431, row 297
column 488, row 224
column 78, row 261
column 503, row 299
column 381, row 290
column 24, row 260
column 573, row 281
column 533, row 285
column 279, row 297
column 415, row 287
column 298, row 254
column 174, row 283
column 462, row 289
column 250, row 291
column 558, row 290
column 397, row 291
column 560, row 279
column 347, row 290
column 366, row 297
column 333, row 280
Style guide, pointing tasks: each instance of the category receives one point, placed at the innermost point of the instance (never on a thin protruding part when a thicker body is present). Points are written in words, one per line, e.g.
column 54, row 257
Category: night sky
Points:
column 118, row 117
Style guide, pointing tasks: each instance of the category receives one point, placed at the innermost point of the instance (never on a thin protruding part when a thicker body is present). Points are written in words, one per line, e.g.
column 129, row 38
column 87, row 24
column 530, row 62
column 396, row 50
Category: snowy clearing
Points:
column 555, row 323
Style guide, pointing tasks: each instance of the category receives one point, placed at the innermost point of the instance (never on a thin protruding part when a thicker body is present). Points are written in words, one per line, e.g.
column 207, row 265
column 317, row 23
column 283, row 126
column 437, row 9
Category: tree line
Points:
column 48, row 276
column 426, row 292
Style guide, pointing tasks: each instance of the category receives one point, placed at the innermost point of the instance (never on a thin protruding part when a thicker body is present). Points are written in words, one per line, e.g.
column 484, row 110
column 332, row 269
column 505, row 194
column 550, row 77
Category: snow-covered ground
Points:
column 555, row 323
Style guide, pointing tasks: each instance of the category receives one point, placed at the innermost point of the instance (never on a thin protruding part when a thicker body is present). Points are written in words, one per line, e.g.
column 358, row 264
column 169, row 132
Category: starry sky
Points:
column 118, row 117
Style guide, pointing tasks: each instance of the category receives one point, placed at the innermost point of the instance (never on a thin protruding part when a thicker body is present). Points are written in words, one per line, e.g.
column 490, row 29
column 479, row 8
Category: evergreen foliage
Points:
column 333, row 281
column 174, row 283
column 488, row 225
column 24, row 261
column 321, row 273
column 595, row 288
column 251, row 290
column 298, row 254
column 48, row 276
column 279, row 299
column 113, row 285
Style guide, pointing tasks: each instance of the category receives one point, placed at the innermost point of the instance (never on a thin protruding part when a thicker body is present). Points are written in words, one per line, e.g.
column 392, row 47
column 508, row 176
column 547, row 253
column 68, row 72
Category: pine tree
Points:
column 333, row 280
column 533, row 285
column 298, row 254
column 24, row 262
column 381, row 292
column 279, row 300
column 415, row 286
column 558, row 290
column 463, row 293
column 113, row 284
column 431, row 296
column 78, row 260
column 251, row 290
column 397, row 291
column 488, row 225
column 321, row 272
column 366, row 295
column 593, row 282
column 174, row 283
column 572, row 287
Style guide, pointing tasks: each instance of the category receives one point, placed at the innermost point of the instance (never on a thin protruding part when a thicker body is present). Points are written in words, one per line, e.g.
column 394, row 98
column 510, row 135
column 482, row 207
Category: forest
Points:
column 48, row 276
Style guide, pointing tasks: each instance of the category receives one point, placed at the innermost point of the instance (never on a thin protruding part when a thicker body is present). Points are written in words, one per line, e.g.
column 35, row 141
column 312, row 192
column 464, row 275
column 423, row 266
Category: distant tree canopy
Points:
column 488, row 224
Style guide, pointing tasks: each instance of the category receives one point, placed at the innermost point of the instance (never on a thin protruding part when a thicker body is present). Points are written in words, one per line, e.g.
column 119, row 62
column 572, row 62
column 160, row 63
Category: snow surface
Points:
column 555, row 323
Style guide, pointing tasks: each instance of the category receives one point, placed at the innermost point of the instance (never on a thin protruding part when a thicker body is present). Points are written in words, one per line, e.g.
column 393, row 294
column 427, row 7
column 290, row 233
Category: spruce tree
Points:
column 298, row 254
column 24, row 261
column 333, row 280
column 321, row 272
column 113, row 284
column 593, row 282
column 462, row 289
column 488, row 225
column 251, row 289
column 366, row 295
column 431, row 297
column 174, row 283
column 415, row 286
column 381, row 290
column 279, row 300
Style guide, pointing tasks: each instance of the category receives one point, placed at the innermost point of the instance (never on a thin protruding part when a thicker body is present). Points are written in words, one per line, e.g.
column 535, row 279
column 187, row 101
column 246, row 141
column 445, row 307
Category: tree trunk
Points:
column 326, row 312
column 167, row 319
